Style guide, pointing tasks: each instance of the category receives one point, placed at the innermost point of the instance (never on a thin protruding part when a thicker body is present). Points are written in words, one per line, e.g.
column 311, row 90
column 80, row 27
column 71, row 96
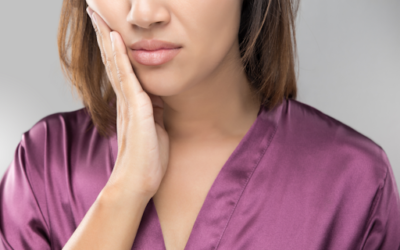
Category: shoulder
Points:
column 331, row 144
column 58, row 129
column 57, row 124
column 52, row 138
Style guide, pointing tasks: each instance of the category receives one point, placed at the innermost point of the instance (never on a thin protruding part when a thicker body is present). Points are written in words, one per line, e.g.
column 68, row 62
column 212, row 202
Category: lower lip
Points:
column 154, row 57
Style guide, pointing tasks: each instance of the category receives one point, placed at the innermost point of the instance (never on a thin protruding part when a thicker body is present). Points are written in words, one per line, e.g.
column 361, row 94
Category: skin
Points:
column 204, row 88
column 204, row 98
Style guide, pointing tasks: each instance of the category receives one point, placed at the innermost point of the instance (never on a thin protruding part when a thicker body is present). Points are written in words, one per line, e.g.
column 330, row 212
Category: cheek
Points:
column 212, row 28
column 208, row 21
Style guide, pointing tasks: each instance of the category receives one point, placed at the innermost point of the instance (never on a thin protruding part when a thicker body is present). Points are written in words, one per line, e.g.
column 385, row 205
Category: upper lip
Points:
column 153, row 45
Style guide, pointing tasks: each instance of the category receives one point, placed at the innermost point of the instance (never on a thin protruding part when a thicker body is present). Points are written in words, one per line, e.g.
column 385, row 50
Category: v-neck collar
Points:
column 225, row 192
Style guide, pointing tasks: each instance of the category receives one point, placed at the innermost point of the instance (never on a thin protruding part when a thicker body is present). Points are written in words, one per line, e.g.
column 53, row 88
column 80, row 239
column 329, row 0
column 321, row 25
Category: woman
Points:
column 197, row 143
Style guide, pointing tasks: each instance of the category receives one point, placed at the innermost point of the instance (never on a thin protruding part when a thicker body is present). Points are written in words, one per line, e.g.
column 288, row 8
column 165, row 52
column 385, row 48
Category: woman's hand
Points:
column 143, row 143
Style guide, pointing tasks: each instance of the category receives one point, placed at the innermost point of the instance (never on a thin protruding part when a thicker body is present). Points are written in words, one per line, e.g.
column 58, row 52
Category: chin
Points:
column 161, row 87
column 162, row 82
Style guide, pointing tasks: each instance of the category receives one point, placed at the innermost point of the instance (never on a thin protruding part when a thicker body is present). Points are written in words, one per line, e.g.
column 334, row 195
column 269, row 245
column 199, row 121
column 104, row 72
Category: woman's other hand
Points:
column 143, row 143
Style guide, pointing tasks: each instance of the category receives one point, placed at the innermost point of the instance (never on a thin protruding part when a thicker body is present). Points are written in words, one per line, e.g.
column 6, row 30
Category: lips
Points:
column 154, row 57
column 154, row 52
column 153, row 44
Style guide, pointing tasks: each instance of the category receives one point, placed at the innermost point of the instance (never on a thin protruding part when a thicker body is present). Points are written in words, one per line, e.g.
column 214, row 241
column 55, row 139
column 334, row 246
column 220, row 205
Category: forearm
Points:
column 110, row 223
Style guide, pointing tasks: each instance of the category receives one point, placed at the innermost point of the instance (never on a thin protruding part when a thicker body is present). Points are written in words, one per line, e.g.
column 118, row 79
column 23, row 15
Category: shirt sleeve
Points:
column 22, row 222
column 383, row 226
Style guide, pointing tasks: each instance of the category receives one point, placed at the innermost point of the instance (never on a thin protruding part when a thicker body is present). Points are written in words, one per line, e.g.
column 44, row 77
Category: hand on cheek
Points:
column 139, row 117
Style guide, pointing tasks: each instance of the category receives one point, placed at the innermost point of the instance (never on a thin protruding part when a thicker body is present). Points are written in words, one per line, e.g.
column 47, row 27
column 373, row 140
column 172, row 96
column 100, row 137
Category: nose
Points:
column 147, row 13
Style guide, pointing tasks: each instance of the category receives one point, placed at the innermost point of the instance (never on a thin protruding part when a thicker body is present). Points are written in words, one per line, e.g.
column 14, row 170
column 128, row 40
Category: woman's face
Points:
column 206, row 30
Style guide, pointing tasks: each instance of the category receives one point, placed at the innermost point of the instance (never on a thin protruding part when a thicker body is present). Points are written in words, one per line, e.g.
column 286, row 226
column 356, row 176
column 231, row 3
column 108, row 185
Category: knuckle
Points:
column 108, row 66
column 109, row 61
column 103, row 58
column 109, row 74
column 115, row 54
column 96, row 28
column 98, row 32
column 121, row 76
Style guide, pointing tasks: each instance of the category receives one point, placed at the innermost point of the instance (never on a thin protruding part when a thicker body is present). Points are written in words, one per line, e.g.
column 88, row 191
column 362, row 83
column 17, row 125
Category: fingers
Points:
column 116, row 61
column 103, row 39
column 129, row 84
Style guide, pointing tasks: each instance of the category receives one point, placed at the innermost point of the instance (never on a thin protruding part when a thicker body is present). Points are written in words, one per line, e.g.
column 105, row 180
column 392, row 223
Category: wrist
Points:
column 115, row 195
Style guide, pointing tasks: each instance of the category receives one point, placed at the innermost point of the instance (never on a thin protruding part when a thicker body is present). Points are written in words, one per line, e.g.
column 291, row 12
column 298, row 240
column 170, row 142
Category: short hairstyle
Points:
column 268, row 51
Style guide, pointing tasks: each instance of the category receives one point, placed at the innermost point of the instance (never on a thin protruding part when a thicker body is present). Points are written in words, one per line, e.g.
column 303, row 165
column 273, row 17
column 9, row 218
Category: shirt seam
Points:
column 270, row 139
column 375, row 202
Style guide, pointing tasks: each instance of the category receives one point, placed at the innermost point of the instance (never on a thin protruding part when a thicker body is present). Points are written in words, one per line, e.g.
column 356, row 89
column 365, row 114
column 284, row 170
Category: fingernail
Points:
column 89, row 11
column 92, row 17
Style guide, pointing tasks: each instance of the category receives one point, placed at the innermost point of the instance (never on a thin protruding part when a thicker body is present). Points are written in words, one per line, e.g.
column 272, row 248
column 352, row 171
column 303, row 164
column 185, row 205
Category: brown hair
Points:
column 267, row 41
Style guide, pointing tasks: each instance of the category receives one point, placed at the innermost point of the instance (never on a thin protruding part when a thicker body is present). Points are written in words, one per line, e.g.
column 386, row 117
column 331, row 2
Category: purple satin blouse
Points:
column 298, row 179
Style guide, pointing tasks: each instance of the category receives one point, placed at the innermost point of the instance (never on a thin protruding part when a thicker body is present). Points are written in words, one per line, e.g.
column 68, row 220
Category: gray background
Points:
column 349, row 54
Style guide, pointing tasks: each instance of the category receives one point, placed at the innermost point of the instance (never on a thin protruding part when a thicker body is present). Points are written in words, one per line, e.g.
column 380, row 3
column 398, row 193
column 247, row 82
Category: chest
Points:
column 183, row 191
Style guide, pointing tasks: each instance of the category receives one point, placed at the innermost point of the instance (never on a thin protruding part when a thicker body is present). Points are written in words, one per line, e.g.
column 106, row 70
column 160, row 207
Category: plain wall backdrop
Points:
column 349, row 68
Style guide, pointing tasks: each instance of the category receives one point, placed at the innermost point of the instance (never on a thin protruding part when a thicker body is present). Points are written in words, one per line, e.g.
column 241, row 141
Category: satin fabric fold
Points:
column 299, row 179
